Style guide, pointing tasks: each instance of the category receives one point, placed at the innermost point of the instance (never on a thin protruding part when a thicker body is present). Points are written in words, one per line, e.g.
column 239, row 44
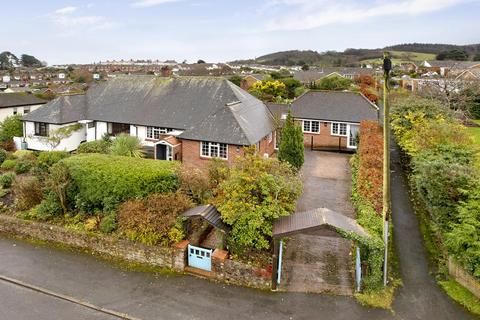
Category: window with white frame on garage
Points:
column 339, row 129
column 311, row 126
column 155, row 132
column 214, row 150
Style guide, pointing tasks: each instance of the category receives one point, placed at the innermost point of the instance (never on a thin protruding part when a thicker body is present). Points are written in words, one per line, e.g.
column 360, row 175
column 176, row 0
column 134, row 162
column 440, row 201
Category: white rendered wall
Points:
column 38, row 143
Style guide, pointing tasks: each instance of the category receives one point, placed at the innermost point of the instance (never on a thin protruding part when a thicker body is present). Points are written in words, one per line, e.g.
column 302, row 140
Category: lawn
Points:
column 402, row 57
column 475, row 131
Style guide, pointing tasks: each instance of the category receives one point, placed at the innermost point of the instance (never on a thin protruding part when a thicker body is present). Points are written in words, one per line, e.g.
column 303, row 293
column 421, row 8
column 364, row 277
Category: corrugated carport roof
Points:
column 208, row 213
column 308, row 220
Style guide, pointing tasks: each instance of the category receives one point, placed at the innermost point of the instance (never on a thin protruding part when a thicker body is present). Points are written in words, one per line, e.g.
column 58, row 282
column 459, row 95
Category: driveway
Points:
column 327, row 182
column 312, row 262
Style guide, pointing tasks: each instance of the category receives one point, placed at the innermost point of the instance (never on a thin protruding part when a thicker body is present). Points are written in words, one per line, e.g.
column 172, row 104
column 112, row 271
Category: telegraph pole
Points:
column 387, row 67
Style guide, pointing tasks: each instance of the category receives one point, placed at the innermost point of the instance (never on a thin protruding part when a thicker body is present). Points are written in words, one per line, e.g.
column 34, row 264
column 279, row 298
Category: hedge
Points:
column 367, row 181
column 103, row 181
column 444, row 177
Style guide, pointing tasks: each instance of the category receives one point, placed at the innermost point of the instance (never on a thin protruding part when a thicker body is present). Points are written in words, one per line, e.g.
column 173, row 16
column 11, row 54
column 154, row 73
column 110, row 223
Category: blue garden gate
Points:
column 200, row 258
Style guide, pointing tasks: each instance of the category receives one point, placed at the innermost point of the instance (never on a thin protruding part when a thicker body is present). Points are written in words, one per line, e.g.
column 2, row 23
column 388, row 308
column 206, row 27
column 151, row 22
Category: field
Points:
column 403, row 57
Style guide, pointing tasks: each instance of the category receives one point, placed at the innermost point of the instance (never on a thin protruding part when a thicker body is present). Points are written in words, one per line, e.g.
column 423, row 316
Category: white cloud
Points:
column 67, row 19
column 150, row 3
column 66, row 10
column 304, row 14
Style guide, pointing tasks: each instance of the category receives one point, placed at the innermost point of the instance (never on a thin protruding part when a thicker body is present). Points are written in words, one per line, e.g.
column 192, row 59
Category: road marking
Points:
column 67, row 298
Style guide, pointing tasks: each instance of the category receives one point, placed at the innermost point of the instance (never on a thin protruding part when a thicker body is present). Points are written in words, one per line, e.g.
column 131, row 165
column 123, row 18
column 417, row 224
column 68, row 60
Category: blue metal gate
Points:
column 200, row 258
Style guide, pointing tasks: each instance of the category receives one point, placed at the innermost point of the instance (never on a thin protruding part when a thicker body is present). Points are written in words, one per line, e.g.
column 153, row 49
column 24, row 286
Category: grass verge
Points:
column 461, row 295
column 382, row 298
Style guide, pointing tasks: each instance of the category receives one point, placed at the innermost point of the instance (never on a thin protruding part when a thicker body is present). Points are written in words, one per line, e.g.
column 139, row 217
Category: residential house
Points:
column 18, row 103
column 249, row 80
column 329, row 119
column 192, row 119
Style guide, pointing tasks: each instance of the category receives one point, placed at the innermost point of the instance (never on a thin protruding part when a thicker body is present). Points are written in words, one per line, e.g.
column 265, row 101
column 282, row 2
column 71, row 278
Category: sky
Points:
column 62, row 31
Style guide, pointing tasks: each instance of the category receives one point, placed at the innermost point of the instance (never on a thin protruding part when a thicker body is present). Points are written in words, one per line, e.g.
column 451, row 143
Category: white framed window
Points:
column 270, row 137
column 339, row 129
column 214, row 150
column 155, row 132
column 311, row 126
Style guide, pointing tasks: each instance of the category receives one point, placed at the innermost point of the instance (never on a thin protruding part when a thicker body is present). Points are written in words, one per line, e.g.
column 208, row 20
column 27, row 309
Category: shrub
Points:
column 24, row 154
column 49, row 158
column 8, row 164
column 195, row 183
column 11, row 127
column 291, row 147
column 103, row 181
column 108, row 224
column 7, row 179
column 256, row 192
column 48, row 208
column 463, row 240
column 60, row 185
column 127, row 145
column 23, row 165
column 333, row 83
column 28, row 192
column 370, row 167
column 3, row 155
column 439, row 177
column 97, row 146
column 153, row 219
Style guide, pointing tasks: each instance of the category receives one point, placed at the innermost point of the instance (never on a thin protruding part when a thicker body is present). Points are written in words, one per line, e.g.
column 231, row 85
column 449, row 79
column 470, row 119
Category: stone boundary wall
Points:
column 173, row 258
column 239, row 273
column 223, row 269
column 463, row 277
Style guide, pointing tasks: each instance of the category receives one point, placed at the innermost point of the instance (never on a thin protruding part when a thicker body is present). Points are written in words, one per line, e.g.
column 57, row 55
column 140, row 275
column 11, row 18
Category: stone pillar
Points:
column 218, row 263
column 179, row 255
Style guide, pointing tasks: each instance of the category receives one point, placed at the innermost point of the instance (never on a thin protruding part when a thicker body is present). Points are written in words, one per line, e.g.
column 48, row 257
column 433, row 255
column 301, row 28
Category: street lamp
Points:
column 387, row 67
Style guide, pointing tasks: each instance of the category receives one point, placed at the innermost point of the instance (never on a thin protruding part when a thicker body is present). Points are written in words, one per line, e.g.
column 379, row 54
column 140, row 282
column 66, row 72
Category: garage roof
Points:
column 308, row 220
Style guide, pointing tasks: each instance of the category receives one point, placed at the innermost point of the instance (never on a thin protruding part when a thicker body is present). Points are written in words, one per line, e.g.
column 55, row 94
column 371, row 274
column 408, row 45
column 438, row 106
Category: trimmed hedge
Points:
column 103, row 181
column 49, row 158
column 97, row 146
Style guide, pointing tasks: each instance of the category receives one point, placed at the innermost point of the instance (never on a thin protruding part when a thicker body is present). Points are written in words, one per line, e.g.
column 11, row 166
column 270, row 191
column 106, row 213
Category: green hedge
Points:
column 49, row 158
column 103, row 181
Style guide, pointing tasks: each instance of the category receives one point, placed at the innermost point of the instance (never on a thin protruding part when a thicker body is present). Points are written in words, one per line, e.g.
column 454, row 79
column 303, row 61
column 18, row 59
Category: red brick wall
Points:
column 191, row 152
column 323, row 139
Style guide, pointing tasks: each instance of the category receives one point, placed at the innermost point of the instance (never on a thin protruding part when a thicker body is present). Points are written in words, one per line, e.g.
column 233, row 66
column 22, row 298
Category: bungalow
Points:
column 329, row 119
column 18, row 103
column 191, row 119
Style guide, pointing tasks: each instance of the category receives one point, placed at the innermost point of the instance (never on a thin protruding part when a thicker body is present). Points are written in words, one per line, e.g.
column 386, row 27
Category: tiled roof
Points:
column 19, row 99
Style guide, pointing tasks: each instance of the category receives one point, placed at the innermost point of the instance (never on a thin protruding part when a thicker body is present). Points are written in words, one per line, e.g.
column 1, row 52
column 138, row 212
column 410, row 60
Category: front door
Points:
column 161, row 152
column 200, row 258
column 352, row 136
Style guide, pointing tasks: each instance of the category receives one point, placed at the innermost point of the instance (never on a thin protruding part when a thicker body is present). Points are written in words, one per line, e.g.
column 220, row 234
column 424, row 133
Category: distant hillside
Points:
column 434, row 48
column 357, row 57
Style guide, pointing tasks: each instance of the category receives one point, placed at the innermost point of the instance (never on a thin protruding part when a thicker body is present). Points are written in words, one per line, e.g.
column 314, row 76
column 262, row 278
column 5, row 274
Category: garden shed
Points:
column 311, row 253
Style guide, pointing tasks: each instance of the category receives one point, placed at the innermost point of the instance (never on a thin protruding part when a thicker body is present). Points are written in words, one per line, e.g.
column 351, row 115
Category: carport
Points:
column 311, row 253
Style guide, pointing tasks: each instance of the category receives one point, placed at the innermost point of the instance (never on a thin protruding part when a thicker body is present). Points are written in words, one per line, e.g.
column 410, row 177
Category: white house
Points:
column 18, row 103
column 192, row 119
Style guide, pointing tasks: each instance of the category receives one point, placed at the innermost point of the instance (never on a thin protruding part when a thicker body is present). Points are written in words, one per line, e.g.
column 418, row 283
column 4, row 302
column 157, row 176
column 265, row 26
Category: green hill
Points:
column 409, row 52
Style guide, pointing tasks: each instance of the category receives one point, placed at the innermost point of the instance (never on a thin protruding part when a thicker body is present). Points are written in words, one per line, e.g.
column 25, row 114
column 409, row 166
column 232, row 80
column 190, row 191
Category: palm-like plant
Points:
column 126, row 145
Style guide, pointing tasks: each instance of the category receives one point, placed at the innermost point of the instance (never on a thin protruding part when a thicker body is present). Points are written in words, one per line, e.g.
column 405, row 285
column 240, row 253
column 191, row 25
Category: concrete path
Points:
column 327, row 182
column 184, row 297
